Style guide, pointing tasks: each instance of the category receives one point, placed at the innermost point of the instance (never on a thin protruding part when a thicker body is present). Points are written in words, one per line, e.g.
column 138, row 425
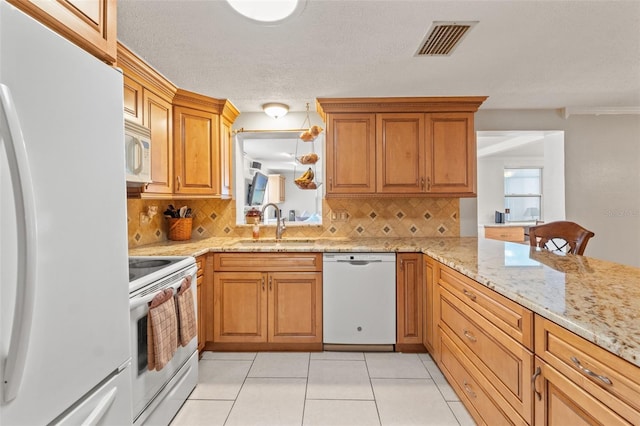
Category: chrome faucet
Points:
column 280, row 227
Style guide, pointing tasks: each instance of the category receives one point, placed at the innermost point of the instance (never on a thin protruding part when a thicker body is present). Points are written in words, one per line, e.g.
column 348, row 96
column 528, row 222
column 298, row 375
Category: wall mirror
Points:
column 266, row 166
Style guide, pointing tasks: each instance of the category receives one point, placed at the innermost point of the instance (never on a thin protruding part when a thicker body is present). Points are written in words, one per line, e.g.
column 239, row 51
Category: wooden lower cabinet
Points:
column 256, row 309
column 560, row 402
column 579, row 380
column 474, row 389
column 484, row 345
column 200, row 263
column 429, row 317
column 409, row 305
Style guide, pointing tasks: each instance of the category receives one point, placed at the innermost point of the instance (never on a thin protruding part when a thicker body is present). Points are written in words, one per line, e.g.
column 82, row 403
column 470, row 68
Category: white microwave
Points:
column 137, row 142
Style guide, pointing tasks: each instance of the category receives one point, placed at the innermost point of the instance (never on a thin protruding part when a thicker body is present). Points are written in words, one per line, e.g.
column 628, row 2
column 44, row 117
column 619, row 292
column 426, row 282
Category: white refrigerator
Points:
column 64, row 310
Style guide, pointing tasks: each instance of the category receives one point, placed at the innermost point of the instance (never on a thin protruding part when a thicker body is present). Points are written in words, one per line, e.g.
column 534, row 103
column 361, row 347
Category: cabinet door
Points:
column 196, row 162
column 400, row 153
column 240, row 307
column 226, row 158
column 351, row 154
column 559, row 401
column 158, row 118
column 451, row 153
column 295, row 307
column 430, row 322
column 91, row 24
column 409, row 298
column 133, row 101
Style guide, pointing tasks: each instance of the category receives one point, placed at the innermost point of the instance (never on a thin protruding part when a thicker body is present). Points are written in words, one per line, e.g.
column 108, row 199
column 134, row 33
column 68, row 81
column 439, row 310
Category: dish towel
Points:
column 162, row 330
column 187, row 326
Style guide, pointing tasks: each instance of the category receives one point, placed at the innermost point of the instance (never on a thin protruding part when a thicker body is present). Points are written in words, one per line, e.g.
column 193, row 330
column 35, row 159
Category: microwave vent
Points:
column 443, row 38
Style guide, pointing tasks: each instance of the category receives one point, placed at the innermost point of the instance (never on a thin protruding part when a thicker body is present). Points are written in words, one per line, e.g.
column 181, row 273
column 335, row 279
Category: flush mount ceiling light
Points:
column 268, row 11
column 275, row 110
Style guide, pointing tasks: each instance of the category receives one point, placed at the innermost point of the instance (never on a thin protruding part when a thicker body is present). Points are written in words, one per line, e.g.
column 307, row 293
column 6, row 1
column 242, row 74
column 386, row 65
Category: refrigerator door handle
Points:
column 22, row 184
column 101, row 409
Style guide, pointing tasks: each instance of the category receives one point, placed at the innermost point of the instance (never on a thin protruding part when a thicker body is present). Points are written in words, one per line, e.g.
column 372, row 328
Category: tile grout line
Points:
column 306, row 389
column 375, row 400
column 240, row 390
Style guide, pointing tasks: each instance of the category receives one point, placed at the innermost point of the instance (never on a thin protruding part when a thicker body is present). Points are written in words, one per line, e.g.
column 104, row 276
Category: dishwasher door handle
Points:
column 358, row 262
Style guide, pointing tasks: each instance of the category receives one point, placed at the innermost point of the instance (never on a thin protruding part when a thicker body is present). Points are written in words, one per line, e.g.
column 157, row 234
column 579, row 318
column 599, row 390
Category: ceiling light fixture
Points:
column 267, row 11
column 275, row 110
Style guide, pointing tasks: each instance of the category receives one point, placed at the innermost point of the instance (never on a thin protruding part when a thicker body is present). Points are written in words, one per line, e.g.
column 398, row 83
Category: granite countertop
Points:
column 595, row 299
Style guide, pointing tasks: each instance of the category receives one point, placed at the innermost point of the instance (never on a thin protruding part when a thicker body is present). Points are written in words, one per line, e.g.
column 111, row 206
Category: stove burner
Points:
column 154, row 263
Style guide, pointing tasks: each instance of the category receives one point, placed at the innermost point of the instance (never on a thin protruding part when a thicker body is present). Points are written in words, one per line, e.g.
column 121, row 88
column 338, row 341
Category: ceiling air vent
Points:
column 443, row 37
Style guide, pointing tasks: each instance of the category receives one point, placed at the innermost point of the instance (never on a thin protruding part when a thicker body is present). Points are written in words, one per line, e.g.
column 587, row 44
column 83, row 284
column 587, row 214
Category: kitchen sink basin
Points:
column 272, row 241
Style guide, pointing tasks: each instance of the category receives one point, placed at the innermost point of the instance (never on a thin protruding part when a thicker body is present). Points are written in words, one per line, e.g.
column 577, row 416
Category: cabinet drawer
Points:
column 508, row 316
column 562, row 402
column 474, row 388
column 607, row 377
column 504, row 233
column 507, row 364
column 268, row 262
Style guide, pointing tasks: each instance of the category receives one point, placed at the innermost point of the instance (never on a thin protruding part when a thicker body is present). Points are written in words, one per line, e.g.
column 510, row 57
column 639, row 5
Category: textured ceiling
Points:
column 522, row 54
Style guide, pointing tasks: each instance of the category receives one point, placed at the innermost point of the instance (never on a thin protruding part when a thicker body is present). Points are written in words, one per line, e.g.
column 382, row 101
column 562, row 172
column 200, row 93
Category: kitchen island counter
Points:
column 593, row 298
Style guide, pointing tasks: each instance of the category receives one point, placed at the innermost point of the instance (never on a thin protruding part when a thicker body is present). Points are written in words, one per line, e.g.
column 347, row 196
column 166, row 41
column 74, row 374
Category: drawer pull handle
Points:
column 468, row 389
column 469, row 294
column 586, row 371
column 262, row 283
column 270, row 283
column 469, row 336
column 533, row 383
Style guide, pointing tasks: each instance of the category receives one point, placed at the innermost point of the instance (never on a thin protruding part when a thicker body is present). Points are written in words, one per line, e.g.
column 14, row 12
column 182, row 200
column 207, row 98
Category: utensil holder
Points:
column 180, row 228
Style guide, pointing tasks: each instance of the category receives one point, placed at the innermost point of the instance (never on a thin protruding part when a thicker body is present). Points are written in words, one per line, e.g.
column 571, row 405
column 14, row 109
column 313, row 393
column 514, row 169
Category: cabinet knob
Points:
column 179, row 182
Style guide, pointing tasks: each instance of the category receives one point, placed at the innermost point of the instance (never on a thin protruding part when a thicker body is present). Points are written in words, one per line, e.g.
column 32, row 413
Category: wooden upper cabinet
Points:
column 400, row 153
column 202, row 145
column 451, row 148
column 147, row 101
column 196, row 151
column 229, row 115
column 133, row 102
column 158, row 118
column 419, row 146
column 351, row 154
column 91, row 24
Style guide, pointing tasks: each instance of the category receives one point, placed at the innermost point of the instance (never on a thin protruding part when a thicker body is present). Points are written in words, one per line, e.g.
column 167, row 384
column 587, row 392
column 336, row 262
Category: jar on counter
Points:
column 252, row 216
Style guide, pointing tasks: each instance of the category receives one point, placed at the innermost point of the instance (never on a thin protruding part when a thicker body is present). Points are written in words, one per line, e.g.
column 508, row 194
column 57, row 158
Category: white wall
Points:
column 602, row 175
column 490, row 182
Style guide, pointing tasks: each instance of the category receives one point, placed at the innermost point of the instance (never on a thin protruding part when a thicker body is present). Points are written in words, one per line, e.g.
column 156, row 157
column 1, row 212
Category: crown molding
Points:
column 567, row 111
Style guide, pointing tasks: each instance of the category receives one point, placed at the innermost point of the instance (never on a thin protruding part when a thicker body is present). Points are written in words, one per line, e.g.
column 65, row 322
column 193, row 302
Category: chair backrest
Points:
column 565, row 236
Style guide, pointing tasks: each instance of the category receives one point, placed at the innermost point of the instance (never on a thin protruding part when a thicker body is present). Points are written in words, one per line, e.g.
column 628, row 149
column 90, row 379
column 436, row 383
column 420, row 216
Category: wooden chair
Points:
column 565, row 236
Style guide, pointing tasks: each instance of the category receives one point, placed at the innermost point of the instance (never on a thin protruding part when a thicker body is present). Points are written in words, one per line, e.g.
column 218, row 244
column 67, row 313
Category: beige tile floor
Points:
column 323, row 388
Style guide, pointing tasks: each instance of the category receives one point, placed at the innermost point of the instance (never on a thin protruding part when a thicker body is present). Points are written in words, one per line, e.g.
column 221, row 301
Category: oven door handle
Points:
column 143, row 300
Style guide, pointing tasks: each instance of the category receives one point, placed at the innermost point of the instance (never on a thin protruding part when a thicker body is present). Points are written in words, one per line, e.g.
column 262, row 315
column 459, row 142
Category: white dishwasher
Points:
column 359, row 299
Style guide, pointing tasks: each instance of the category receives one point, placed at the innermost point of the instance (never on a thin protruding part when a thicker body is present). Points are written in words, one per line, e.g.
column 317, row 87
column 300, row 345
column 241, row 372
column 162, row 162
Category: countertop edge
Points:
column 608, row 342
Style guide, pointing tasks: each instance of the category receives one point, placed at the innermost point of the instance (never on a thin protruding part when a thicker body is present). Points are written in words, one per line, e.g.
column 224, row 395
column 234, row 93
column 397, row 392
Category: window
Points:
column 523, row 194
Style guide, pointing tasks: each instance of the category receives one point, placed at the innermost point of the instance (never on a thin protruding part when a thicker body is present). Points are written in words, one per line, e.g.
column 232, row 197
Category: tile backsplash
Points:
column 345, row 217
